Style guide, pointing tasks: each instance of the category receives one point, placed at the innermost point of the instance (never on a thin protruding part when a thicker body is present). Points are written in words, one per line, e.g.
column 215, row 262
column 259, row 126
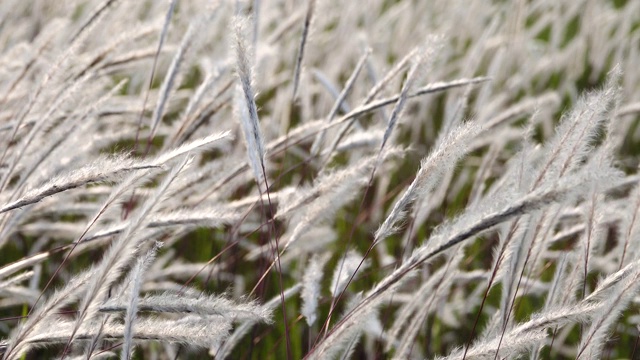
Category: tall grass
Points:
column 319, row 179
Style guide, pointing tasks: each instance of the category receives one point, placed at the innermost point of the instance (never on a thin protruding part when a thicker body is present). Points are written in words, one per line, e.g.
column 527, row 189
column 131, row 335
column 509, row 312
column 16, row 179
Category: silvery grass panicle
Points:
column 319, row 179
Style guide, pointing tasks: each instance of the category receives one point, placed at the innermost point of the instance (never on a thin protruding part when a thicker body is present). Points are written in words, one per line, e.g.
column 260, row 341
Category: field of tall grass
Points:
column 319, row 179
